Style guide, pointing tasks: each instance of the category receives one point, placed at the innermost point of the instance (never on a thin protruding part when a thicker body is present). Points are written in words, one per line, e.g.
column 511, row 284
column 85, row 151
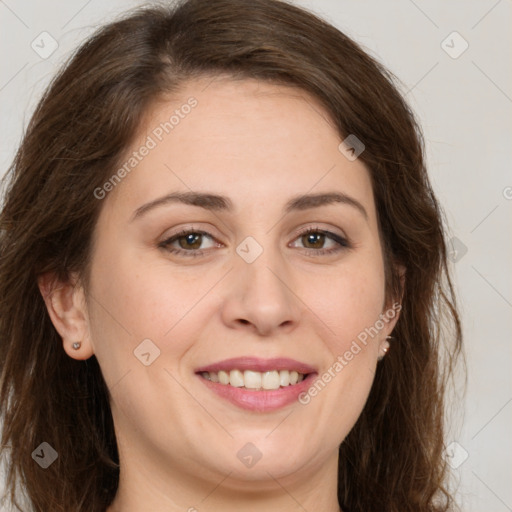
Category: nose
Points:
column 262, row 296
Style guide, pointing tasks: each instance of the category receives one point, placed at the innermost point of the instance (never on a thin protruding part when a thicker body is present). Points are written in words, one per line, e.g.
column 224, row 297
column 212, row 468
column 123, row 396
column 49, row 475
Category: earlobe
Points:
column 384, row 347
column 66, row 306
column 390, row 316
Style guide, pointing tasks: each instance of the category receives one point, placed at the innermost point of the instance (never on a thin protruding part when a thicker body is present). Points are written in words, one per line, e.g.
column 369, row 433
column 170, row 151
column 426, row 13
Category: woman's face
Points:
column 244, row 291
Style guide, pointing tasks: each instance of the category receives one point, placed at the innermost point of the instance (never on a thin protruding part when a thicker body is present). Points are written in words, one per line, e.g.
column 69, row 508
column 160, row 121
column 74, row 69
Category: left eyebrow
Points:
column 307, row 201
column 216, row 202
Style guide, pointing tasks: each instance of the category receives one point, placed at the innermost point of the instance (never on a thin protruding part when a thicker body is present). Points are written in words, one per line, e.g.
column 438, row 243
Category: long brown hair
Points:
column 391, row 461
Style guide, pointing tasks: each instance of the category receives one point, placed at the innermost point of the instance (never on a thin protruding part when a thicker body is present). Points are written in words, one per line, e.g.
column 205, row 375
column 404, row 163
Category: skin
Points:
column 260, row 145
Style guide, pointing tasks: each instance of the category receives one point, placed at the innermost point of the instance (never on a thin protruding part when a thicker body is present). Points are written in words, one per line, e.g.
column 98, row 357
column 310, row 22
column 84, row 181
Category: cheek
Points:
column 123, row 312
column 349, row 302
column 137, row 300
column 351, row 309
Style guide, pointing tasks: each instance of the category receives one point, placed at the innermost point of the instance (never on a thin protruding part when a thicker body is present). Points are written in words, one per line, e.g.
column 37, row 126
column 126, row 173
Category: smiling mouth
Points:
column 254, row 380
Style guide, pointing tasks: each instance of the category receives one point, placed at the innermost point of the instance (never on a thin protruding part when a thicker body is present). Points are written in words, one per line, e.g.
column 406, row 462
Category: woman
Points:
column 224, row 276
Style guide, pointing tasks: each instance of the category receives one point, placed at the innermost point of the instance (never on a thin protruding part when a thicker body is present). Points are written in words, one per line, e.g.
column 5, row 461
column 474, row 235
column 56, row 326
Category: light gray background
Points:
column 464, row 105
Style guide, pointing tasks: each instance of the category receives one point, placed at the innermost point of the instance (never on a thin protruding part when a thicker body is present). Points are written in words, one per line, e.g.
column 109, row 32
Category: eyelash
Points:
column 343, row 243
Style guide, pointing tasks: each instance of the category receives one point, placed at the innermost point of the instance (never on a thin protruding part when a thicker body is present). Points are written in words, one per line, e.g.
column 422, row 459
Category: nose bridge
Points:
column 261, row 268
column 263, row 286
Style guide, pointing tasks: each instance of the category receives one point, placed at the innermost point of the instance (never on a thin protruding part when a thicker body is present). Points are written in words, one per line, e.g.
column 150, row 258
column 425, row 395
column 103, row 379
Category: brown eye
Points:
column 189, row 243
column 314, row 240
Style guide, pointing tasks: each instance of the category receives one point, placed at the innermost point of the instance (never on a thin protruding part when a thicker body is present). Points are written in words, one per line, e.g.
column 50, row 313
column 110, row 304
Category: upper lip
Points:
column 257, row 364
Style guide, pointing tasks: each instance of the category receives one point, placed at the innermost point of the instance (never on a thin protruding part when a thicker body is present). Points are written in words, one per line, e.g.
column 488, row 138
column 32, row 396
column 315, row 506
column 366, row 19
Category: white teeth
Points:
column 255, row 380
column 252, row 380
column 223, row 377
column 270, row 380
column 236, row 378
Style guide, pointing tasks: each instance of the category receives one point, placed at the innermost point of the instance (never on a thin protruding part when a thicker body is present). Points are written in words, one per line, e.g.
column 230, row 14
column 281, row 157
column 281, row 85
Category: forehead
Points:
column 255, row 142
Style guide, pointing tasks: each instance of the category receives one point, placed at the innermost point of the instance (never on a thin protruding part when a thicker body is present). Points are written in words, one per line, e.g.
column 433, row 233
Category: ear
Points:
column 66, row 305
column 391, row 314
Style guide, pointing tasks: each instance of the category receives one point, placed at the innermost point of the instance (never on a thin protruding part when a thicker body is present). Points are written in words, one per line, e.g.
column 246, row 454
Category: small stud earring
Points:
column 385, row 348
column 76, row 345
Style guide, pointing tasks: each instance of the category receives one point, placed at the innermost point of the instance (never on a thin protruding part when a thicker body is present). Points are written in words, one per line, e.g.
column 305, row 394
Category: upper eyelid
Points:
column 191, row 229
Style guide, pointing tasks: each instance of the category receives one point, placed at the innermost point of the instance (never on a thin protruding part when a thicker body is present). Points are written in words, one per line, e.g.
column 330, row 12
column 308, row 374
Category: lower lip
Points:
column 260, row 401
